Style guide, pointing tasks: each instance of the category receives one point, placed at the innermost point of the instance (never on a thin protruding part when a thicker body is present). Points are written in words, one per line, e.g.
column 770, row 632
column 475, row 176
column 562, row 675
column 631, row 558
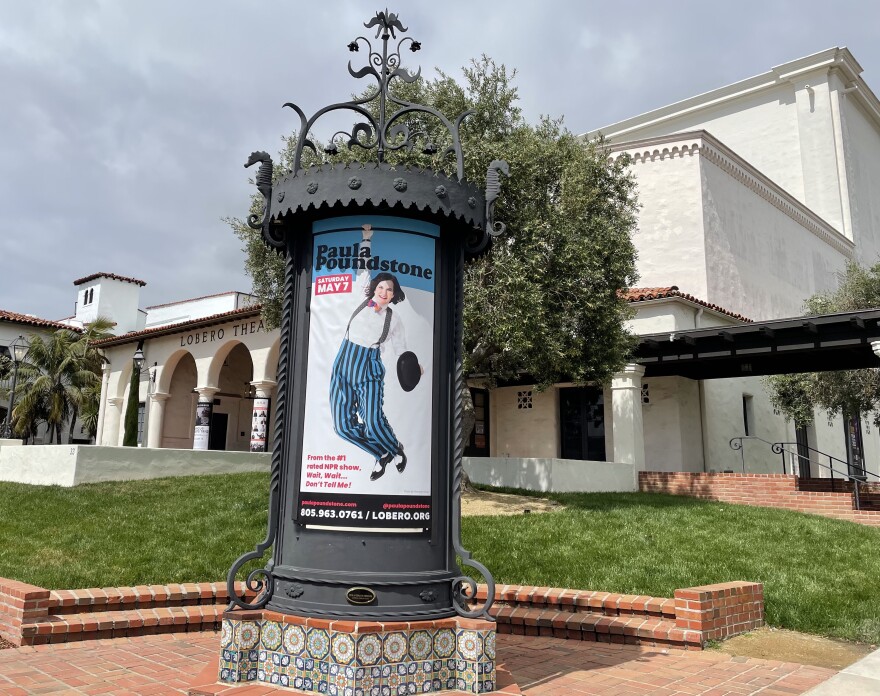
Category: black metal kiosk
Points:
column 364, row 509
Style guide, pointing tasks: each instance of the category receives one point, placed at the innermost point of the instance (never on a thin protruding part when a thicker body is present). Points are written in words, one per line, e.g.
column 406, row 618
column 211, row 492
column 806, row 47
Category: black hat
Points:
column 408, row 370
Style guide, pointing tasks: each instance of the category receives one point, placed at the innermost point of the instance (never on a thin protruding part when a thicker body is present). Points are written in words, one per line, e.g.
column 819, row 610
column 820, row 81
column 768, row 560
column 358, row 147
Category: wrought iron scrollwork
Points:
column 387, row 133
column 464, row 588
column 264, row 586
column 264, row 186
column 493, row 190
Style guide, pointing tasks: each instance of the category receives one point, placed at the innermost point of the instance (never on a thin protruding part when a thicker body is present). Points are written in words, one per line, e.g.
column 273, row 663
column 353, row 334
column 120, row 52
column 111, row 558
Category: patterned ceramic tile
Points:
column 320, row 661
column 318, row 641
column 489, row 644
column 342, row 648
column 294, row 640
column 270, row 635
column 369, row 649
column 469, row 645
column 394, row 647
column 227, row 635
column 421, row 646
column 444, row 642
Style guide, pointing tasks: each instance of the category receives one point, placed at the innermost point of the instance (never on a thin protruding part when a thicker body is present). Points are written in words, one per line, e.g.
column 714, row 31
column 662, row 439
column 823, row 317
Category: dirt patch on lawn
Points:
column 489, row 503
column 790, row 646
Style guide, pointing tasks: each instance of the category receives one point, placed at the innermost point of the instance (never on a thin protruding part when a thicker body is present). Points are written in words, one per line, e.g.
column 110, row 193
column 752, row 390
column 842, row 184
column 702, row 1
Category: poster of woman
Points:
column 366, row 458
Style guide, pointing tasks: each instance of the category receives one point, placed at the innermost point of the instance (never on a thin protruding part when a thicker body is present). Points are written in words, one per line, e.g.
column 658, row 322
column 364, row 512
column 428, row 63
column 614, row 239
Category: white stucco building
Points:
column 753, row 197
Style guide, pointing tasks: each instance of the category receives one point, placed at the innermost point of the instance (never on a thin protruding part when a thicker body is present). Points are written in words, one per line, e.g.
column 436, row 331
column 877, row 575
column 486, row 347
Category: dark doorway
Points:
column 855, row 453
column 478, row 444
column 803, row 451
column 582, row 423
column 217, row 434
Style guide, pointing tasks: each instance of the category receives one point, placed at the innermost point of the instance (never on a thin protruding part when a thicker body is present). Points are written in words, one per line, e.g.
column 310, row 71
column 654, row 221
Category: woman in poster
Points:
column 357, row 383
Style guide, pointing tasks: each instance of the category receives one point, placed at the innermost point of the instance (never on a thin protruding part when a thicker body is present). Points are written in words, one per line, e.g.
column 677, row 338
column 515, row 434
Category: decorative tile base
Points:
column 358, row 658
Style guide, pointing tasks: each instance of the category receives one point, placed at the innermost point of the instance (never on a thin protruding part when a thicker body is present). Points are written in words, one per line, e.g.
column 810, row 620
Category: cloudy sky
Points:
column 124, row 124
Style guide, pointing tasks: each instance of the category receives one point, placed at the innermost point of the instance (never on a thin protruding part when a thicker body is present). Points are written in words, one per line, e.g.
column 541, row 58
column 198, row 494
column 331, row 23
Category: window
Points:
column 524, row 399
column 582, row 423
column 748, row 415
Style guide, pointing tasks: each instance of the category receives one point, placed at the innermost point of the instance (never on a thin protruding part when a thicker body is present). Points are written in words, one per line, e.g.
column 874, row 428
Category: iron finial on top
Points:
column 385, row 132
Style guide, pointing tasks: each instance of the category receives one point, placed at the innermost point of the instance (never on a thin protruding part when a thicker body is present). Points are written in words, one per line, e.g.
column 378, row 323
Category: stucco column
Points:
column 113, row 416
column 626, row 408
column 261, row 429
column 102, row 405
column 156, row 421
column 204, row 409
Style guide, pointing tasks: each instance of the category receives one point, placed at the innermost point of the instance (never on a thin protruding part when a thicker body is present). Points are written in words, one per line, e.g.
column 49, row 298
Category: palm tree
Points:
column 60, row 377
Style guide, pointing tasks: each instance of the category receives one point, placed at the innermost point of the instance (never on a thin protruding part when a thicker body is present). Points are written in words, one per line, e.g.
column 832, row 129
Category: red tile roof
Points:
column 644, row 294
column 113, row 276
column 17, row 318
column 181, row 326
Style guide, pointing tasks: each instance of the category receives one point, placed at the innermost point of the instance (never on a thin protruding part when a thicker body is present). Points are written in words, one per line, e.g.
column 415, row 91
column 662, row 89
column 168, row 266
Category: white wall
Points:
column 862, row 148
column 524, row 432
column 670, row 240
column 549, row 474
column 187, row 310
column 760, row 262
column 72, row 465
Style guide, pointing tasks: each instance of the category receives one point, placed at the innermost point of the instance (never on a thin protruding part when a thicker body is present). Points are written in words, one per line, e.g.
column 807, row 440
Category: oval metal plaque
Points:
column 360, row 595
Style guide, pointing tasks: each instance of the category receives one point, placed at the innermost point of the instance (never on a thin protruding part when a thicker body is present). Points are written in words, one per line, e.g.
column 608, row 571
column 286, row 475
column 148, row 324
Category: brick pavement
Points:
column 169, row 663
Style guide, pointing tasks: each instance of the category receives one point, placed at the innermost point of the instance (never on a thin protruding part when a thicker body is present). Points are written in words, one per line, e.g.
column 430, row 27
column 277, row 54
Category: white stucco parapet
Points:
column 701, row 143
column 838, row 59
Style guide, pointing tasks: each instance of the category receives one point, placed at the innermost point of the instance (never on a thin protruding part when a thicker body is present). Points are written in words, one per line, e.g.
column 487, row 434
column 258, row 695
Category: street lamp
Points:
column 19, row 351
column 138, row 362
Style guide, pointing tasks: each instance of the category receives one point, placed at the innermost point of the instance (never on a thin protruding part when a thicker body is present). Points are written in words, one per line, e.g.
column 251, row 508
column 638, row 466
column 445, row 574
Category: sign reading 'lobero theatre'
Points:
column 364, row 509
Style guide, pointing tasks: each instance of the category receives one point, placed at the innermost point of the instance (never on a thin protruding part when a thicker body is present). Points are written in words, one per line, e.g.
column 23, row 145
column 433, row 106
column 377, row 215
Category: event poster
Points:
column 204, row 409
column 259, row 424
column 366, row 457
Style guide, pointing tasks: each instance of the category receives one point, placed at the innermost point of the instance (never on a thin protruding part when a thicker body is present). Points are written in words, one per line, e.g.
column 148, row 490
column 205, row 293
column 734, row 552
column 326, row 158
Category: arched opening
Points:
column 233, row 403
column 177, row 429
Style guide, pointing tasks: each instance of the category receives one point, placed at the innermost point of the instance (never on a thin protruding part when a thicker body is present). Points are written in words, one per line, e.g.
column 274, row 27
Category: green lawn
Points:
column 820, row 575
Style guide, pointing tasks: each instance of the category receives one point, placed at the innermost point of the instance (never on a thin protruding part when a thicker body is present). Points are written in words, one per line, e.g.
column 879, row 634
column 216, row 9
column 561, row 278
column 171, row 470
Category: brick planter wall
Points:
column 20, row 604
column 35, row 616
column 760, row 490
column 720, row 611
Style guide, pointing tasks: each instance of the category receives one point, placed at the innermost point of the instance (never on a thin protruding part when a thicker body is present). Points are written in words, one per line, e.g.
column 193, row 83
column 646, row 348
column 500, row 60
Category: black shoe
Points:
column 401, row 465
column 381, row 463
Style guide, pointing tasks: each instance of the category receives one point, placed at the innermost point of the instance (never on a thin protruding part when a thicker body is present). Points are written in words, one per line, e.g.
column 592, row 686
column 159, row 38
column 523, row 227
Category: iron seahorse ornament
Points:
column 264, row 186
column 493, row 190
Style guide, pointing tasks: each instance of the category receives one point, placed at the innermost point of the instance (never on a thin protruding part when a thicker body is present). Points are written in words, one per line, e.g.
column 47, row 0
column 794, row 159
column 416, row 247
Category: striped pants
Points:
column 357, row 393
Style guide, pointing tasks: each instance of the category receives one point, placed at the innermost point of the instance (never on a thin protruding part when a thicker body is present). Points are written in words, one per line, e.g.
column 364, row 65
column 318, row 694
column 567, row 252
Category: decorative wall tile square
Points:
column 469, row 645
column 247, row 635
column 489, row 644
column 421, row 646
column 318, row 641
column 342, row 648
column 444, row 642
column 369, row 649
column 394, row 646
column 227, row 634
column 270, row 635
column 294, row 640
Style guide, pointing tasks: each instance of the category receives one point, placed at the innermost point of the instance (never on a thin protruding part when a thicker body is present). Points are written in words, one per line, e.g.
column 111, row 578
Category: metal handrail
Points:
column 780, row 448
column 736, row 443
